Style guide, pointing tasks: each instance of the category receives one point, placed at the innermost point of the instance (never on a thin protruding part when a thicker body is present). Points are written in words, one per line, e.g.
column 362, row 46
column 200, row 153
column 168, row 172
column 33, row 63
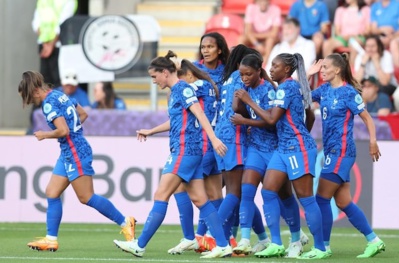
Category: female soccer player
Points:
column 185, row 161
column 295, row 156
column 65, row 118
column 340, row 101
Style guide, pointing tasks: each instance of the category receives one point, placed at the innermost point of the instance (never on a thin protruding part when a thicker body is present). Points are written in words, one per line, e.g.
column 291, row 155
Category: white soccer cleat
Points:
column 183, row 246
column 131, row 247
column 261, row 245
column 294, row 250
column 219, row 252
column 243, row 247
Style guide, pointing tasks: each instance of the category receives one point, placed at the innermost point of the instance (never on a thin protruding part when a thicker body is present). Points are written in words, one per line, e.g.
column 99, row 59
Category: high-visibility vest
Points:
column 49, row 12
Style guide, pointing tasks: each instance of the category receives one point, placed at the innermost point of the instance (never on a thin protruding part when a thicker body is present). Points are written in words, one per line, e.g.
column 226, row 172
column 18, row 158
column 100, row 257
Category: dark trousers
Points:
column 49, row 68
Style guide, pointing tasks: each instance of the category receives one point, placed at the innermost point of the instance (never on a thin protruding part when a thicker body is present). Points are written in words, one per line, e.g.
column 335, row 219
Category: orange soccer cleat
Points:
column 129, row 229
column 43, row 243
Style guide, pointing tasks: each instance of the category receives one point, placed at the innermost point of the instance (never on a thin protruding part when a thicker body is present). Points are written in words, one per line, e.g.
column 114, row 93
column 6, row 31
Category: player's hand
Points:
column 374, row 151
column 237, row 119
column 142, row 134
column 243, row 96
column 40, row 135
column 219, row 147
column 315, row 67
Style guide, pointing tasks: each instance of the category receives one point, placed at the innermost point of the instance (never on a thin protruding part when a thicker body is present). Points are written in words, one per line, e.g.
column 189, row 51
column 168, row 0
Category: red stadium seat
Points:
column 343, row 50
column 228, row 25
column 235, row 6
column 396, row 73
column 393, row 121
column 285, row 5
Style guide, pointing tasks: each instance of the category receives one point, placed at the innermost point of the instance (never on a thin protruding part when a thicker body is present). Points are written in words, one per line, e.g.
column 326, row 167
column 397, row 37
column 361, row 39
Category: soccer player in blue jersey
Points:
column 213, row 54
column 184, row 163
column 262, row 141
column 74, row 166
column 295, row 156
column 340, row 101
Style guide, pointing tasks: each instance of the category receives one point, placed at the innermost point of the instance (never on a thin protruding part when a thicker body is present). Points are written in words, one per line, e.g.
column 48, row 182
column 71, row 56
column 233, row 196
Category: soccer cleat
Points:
column 233, row 242
column 200, row 240
column 261, row 245
column 219, row 252
column 243, row 247
column 314, row 254
column 304, row 238
column 294, row 250
column 273, row 250
column 129, row 228
column 131, row 247
column 373, row 249
column 184, row 245
column 209, row 243
column 43, row 243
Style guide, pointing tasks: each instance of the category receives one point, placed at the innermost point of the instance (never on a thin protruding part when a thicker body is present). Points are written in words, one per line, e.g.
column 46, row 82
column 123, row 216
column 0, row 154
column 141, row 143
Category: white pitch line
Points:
column 130, row 260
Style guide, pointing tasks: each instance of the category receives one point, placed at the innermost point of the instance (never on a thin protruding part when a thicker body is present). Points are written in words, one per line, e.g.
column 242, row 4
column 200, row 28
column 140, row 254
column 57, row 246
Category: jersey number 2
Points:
column 76, row 120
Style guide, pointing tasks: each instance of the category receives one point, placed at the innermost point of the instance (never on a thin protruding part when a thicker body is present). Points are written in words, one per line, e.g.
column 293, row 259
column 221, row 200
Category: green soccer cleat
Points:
column 373, row 249
column 314, row 254
column 273, row 250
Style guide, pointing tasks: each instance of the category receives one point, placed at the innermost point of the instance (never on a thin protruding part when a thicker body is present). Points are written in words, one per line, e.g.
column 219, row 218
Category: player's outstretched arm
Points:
column 143, row 133
column 217, row 144
column 373, row 148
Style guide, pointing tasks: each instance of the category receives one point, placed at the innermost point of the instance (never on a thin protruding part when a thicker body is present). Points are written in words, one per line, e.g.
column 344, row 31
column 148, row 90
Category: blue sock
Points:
column 291, row 217
column 236, row 220
column 211, row 217
column 359, row 220
column 106, row 208
column 186, row 214
column 247, row 209
column 271, row 209
column 226, row 211
column 154, row 220
column 314, row 220
column 327, row 217
column 202, row 228
column 257, row 225
column 54, row 215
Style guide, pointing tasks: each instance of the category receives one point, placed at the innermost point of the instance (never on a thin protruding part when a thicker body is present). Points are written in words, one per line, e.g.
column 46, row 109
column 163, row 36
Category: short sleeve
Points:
column 365, row 16
column 355, row 102
column 51, row 110
column 283, row 99
column 316, row 94
column 325, row 17
column 294, row 10
column 373, row 15
column 338, row 17
column 187, row 96
column 249, row 14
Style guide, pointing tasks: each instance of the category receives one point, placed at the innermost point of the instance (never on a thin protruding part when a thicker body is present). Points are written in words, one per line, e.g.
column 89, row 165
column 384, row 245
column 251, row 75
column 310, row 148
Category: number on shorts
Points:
column 328, row 160
column 293, row 162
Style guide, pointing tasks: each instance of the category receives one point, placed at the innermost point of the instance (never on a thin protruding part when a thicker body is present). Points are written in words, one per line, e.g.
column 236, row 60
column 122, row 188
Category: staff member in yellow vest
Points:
column 48, row 17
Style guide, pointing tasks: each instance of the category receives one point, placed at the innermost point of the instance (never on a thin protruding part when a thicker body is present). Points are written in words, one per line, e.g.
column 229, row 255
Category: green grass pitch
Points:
column 93, row 243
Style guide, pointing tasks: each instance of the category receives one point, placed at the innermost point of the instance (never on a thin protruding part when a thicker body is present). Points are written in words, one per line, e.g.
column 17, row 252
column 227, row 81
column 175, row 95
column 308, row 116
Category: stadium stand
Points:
column 231, row 26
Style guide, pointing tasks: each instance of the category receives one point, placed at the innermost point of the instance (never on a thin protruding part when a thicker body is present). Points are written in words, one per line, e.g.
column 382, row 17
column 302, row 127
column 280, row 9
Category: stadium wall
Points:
column 128, row 172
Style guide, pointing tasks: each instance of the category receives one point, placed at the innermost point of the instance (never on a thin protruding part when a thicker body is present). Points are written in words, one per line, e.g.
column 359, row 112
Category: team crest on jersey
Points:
column 358, row 99
column 199, row 82
column 271, row 94
column 280, row 94
column 187, row 92
column 47, row 108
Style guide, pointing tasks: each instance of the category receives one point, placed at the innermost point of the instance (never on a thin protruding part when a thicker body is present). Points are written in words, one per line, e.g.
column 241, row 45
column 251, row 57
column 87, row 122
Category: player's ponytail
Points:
column 342, row 61
column 302, row 79
column 159, row 64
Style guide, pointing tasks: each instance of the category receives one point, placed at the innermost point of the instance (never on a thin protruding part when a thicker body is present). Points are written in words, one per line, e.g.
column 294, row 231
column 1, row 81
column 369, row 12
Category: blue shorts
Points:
column 257, row 160
column 187, row 167
column 338, row 165
column 235, row 156
column 74, row 168
column 295, row 165
column 209, row 164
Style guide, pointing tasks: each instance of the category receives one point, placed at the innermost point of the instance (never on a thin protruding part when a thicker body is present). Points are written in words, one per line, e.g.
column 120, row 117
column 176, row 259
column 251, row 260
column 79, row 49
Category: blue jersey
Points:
column 207, row 98
column 263, row 139
column 214, row 74
column 185, row 132
column 293, row 136
column 225, row 129
column 338, row 107
column 57, row 104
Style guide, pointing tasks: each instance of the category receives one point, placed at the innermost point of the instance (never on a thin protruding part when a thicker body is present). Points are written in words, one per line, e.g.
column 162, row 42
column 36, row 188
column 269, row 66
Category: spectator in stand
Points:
column 70, row 86
column 292, row 42
column 384, row 19
column 105, row 97
column 355, row 13
column 262, row 24
column 314, row 20
column 376, row 62
column 376, row 102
